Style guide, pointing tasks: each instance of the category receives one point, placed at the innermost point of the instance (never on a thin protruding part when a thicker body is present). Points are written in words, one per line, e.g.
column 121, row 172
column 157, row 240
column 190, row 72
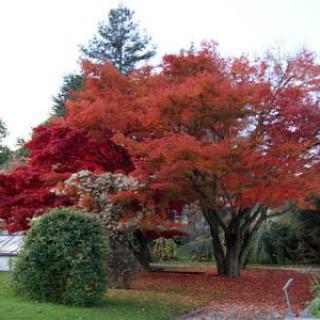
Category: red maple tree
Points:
column 23, row 195
column 239, row 138
column 55, row 153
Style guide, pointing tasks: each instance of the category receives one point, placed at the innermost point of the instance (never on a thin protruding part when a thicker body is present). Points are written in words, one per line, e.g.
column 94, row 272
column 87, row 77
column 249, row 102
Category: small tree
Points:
column 94, row 191
column 120, row 41
column 64, row 259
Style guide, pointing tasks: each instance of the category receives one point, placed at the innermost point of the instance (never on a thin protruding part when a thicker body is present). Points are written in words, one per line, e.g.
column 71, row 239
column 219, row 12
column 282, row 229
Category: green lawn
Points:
column 119, row 304
column 315, row 307
column 187, row 260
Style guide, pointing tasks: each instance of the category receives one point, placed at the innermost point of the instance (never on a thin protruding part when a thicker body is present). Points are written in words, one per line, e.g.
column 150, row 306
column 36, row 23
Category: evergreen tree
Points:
column 4, row 150
column 71, row 83
column 120, row 41
column 3, row 130
column 22, row 150
column 4, row 155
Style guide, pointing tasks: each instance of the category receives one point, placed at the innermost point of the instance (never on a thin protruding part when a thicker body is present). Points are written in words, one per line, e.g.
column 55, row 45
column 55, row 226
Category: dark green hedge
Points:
column 64, row 259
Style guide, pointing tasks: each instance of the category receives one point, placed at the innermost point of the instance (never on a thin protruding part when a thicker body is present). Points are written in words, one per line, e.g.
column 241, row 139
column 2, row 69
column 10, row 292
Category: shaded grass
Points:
column 315, row 307
column 188, row 260
column 119, row 304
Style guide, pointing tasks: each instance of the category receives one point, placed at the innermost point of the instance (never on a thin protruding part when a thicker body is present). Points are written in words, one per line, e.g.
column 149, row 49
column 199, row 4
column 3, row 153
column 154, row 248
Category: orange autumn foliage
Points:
column 238, row 137
column 252, row 127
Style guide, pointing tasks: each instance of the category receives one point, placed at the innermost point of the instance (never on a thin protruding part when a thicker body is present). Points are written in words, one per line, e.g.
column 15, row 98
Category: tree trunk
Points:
column 228, row 263
column 142, row 253
column 238, row 234
column 229, row 256
column 233, row 258
column 217, row 246
column 218, row 253
column 221, row 264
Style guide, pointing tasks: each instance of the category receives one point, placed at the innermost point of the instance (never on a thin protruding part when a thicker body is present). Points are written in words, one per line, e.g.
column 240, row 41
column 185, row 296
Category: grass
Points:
column 315, row 307
column 187, row 260
column 166, row 295
column 119, row 305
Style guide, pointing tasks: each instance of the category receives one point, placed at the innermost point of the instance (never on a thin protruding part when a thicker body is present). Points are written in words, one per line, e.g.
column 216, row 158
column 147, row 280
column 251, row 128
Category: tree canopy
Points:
column 55, row 153
column 238, row 137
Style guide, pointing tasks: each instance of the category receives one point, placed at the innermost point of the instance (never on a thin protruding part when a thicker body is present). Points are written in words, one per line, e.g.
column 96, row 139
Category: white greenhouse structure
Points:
column 10, row 245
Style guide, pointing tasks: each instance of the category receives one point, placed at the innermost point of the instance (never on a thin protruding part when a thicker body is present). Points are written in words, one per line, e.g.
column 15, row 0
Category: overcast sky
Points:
column 40, row 40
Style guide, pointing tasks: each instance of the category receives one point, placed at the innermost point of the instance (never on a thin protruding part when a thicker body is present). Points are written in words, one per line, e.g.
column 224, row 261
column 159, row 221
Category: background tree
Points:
column 120, row 41
column 3, row 130
column 22, row 151
column 239, row 138
column 293, row 238
column 310, row 231
column 14, row 158
column 5, row 152
column 55, row 153
column 71, row 83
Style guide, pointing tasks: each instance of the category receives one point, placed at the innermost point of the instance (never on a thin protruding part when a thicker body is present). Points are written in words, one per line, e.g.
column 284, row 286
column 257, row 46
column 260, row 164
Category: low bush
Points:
column 64, row 259
column 279, row 242
column 164, row 249
column 292, row 238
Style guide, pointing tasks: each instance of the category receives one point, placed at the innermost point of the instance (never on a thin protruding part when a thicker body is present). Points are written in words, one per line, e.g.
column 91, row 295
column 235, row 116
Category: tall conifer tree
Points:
column 118, row 40
column 121, row 41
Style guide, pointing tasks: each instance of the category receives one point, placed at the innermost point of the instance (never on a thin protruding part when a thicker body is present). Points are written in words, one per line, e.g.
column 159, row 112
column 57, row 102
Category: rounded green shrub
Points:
column 164, row 249
column 64, row 259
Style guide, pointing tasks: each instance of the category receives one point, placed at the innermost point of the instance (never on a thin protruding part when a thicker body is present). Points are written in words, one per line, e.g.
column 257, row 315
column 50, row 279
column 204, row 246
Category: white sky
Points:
column 40, row 40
